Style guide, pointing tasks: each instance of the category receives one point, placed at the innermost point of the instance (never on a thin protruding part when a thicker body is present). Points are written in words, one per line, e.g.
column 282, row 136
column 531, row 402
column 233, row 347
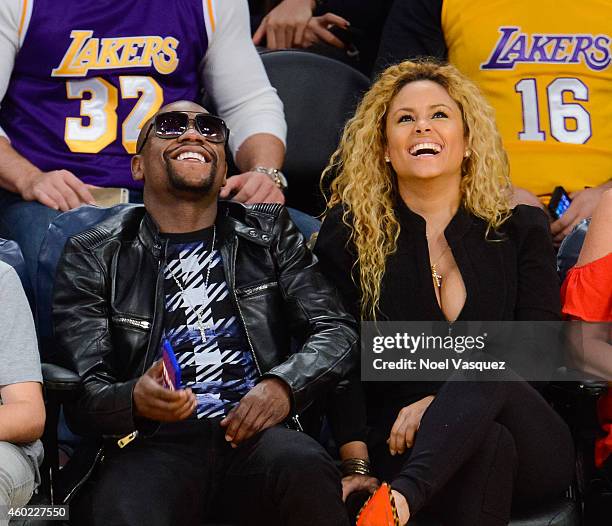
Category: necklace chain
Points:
column 198, row 312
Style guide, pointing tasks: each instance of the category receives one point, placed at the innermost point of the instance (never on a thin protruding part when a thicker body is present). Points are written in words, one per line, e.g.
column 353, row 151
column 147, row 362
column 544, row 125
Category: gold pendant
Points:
column 437, row 277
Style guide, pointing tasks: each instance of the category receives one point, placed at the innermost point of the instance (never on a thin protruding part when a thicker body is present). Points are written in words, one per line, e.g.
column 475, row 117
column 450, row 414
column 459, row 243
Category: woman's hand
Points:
column 318, row 31
column 353, row 483
column 582, row 206
column 406, row 425
column 284, row 26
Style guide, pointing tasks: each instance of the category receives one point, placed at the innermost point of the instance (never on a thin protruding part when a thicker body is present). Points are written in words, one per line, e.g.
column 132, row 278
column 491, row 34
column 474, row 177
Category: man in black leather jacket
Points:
column 223, row 288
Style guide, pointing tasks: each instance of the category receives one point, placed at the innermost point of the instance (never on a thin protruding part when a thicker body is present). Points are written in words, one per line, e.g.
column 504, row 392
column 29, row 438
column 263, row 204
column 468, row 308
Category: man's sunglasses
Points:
column 173, row 124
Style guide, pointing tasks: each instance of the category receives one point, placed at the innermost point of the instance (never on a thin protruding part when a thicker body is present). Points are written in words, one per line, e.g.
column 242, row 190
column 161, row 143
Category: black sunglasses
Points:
column 173, row 124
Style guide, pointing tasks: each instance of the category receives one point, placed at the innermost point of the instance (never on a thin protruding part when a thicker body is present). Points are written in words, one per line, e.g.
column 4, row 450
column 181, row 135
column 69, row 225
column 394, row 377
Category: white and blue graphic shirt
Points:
column 221, row 370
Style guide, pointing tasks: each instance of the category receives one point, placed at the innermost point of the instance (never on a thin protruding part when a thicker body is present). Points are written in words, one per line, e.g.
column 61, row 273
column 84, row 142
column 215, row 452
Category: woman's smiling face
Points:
column 425, row 132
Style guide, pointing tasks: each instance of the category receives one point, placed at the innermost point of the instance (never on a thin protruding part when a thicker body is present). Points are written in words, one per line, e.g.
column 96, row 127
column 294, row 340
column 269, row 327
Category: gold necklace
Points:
column 198, row 312
column 437, row 277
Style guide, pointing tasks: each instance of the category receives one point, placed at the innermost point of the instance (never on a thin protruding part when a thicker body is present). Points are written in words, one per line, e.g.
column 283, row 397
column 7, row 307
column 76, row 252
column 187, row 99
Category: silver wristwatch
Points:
column 275, row 174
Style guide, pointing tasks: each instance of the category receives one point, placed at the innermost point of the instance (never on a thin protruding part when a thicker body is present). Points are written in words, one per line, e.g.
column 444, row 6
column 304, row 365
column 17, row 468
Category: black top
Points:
column 413, row 29
column 510, row 276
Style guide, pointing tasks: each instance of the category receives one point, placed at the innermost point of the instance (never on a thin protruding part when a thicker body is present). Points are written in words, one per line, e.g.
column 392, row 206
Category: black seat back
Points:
column 319, row 95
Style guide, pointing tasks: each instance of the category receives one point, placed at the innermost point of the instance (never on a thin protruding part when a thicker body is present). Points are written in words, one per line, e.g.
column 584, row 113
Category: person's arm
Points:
column 337, row 257
column 284, row 25
column 538, row 288
column 108, row 402
column 81, row 328
column 22, row 412
column 582, row 206
column 346, row 405
column 598, row 240
column 593, row 350
column 261, row 149
column 291, row 24
column 313, row 309
column 413, row 29
column 58, row 189
column 237, row 82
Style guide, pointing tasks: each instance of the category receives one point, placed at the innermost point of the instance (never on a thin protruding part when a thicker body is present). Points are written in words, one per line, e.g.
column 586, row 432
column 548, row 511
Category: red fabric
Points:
column 587, row 291
column 379, row 510
column 587, row 295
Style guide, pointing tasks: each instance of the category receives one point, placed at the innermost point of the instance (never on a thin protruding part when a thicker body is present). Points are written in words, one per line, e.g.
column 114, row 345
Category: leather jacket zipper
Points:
column 158, row 280
column 99, row 458
column 140, row 324
column 233, row 287
column 258, row 288
column 294, row 418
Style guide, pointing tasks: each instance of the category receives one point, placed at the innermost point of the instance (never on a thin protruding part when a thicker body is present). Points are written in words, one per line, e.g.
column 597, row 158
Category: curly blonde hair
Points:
column 361, row 172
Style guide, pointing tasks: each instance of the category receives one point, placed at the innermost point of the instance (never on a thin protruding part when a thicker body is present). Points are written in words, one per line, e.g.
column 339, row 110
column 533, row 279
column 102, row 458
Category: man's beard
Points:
column 202, row 187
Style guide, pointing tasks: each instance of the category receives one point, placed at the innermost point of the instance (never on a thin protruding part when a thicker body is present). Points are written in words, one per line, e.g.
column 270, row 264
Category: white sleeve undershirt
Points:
column 233, row 73
column 10, row 12
column 236, row 79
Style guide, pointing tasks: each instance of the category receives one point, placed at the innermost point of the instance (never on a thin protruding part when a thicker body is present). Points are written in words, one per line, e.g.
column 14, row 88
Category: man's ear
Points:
column 225, row 174
column 137, row 165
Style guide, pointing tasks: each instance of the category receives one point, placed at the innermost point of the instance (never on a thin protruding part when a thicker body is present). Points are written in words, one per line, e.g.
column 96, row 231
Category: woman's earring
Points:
column 387, row 159
column 467, row 153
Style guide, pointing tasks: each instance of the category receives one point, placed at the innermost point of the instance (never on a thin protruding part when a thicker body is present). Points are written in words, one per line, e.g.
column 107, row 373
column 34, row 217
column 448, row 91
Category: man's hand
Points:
column 406, row 425
column 155, row 402
column 58, row 189
column 252, row 187
column 582, row 206
column 353, row 483
column 264, row 406
column 318, row 30
column 284, row 26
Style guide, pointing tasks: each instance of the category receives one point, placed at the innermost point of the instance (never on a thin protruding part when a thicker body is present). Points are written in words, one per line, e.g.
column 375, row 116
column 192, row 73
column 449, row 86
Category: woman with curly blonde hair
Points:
column 419, row 228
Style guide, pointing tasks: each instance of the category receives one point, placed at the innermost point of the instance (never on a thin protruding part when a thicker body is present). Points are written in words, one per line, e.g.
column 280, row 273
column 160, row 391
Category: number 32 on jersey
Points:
column 570, row 122
column 101, row 110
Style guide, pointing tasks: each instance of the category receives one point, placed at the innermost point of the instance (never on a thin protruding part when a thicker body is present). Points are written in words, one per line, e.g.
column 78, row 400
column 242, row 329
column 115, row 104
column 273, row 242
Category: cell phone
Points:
column 171, row 371
column 559, row 202
column 106, row 197
column 347, row 36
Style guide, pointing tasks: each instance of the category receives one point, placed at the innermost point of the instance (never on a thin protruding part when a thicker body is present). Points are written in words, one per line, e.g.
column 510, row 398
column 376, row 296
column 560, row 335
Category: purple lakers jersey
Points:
column 88, row 76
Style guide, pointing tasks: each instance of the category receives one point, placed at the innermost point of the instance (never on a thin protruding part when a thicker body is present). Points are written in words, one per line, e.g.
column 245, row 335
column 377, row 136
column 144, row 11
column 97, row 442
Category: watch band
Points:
column 275, row 174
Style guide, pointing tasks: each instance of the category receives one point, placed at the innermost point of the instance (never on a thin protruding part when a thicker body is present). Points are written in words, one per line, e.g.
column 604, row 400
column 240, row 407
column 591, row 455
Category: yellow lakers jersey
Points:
column 545, row 66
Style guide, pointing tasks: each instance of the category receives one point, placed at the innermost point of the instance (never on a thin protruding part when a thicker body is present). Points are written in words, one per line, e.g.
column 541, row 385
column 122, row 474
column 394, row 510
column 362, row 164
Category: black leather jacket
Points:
column 109, row 304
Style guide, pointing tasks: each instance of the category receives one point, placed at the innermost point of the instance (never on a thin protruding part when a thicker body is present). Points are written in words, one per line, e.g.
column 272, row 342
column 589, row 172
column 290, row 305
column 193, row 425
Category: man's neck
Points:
column 182, row 216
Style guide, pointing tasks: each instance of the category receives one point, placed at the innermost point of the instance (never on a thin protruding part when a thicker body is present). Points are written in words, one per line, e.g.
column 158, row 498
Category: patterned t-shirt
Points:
column 221, row 369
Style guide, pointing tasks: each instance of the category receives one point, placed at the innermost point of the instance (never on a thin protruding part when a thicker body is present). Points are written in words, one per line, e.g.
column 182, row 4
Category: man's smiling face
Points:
column 189, row 165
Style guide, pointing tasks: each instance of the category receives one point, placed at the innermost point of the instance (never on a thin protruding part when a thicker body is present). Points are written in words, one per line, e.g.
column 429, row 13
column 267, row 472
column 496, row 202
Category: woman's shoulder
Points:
column 335, row 213
column 525, row 219
column 334, row 237
column 334, row 224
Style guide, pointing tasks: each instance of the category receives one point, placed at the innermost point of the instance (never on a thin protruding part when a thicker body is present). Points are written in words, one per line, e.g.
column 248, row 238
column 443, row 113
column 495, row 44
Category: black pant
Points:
column 187, row 473
column 481, row 448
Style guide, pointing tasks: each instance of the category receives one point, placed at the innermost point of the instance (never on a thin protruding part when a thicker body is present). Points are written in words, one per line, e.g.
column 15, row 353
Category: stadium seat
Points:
column 319, row 95
column 11, row 254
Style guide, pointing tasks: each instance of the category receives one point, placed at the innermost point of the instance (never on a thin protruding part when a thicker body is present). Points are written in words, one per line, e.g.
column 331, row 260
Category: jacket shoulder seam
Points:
column 271, row 209
column 92, row 238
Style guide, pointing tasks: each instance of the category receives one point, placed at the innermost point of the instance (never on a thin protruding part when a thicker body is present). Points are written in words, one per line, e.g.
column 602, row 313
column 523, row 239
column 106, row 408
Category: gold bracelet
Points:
column 355, row 466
